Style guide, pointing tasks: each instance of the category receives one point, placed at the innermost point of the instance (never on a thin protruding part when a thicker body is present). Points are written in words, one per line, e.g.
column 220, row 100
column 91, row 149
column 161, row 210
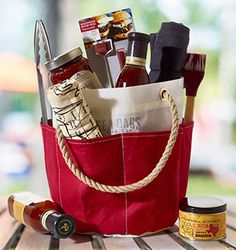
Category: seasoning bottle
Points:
column 202, row 218
column 72, row 64
column 40, row 214
column 134, row 71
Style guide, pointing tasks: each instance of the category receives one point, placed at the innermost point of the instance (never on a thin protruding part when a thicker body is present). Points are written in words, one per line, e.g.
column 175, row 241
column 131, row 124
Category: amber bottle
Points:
column 134, row 71
column 40, row 214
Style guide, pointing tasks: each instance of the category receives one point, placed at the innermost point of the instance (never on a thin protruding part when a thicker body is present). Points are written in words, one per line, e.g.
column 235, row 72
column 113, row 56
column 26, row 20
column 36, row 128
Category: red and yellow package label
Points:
column 202, row 226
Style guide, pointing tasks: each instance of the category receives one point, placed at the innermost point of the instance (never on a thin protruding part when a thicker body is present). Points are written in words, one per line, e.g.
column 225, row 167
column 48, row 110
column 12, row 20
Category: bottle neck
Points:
column 44, row 218
column 136, row 53
column 60, row 225
column 134, row 60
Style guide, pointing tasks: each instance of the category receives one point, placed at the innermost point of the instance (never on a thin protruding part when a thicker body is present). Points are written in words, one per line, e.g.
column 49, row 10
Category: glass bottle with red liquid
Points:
column 41, row 215
column 134, row 72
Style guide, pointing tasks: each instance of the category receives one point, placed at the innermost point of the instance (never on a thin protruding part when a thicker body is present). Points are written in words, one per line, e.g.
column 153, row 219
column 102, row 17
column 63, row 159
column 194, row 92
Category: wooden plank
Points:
column 33, row 240
column 231, row 221
column 231, row 203
column 7, row 228
column 232, row 213
column 54, row 243
column 76, row 242
column 120, row 243
column 13, row 241
column 180, row 241
column 162, row 241
column 97, row 242
column 229, row 246
column 230, row 237
column 200, row 245
column 208, row 245
column 142, row 244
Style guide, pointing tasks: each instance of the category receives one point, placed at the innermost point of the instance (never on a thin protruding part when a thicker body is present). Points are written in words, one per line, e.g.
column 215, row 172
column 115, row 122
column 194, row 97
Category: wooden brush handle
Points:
column 189, row 109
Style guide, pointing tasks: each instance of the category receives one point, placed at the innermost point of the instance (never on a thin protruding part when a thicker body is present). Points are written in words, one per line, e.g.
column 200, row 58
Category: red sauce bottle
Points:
column 134, row 71
column 40, row 214
column 68, row 64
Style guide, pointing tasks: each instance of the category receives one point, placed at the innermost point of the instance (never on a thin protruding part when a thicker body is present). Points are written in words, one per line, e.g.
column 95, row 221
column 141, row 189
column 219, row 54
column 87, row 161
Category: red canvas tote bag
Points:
column 127, row 183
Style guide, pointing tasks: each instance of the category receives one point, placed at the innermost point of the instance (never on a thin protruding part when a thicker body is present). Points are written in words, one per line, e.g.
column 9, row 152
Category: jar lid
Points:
column 63, row 58
column 202, row 205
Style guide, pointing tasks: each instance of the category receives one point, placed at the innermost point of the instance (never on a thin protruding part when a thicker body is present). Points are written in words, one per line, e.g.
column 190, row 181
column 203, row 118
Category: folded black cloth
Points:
column 168, row 51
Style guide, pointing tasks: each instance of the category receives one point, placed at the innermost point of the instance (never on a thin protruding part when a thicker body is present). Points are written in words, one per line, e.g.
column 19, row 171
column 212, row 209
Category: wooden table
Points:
column 14, row 235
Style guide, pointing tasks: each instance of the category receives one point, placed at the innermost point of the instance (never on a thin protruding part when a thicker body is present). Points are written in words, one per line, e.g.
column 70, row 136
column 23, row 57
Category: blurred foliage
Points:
column 207, row 185
column 234, row 131
column 17, row 21
column 148, row 14
column 208, row 90
column 200, row 15
column 147, row 17
column 23, row 102
column 12, row 185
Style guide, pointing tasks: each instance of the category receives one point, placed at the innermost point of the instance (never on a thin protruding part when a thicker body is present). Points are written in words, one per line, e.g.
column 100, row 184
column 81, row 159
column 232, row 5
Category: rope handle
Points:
column 166, row 96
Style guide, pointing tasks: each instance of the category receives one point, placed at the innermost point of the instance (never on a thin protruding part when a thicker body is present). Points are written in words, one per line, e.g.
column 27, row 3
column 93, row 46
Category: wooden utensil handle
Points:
column 189, row 109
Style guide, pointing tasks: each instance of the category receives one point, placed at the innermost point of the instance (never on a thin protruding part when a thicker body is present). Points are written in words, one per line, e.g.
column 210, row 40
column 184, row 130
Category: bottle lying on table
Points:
column 41, row 215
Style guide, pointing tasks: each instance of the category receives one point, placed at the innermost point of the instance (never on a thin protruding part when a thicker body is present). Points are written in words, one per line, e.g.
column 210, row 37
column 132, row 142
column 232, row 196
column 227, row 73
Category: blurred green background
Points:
column 212, row 25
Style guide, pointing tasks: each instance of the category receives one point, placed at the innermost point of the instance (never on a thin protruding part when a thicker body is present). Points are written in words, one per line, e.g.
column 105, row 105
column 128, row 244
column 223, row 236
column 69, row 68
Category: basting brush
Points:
column 193, row 73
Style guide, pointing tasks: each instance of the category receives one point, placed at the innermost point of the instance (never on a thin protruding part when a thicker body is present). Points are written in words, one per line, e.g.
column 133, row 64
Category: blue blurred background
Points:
column 212, row 25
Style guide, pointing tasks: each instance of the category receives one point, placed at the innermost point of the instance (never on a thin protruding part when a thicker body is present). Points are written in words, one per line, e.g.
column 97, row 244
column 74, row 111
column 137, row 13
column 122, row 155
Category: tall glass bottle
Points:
column 40, row 214
column 134, row 71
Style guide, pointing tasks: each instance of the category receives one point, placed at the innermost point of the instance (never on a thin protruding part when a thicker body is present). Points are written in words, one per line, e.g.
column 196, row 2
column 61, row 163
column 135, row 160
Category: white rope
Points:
column 145, row 181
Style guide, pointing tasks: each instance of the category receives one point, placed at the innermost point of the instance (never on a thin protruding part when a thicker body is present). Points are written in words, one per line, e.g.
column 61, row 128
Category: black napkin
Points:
column 168, row 51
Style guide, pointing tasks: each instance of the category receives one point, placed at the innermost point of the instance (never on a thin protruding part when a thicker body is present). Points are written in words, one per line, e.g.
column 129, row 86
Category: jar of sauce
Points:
column 202, row 218
column 72, row 64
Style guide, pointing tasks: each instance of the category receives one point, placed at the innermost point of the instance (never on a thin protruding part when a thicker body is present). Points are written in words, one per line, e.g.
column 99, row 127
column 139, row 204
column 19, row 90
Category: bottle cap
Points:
column 60, row 225
column 137, row 46
column 63, row 58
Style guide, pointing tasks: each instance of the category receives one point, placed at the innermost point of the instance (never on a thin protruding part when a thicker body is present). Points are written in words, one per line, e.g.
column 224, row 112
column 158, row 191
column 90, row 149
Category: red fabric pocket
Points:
column 119, row 160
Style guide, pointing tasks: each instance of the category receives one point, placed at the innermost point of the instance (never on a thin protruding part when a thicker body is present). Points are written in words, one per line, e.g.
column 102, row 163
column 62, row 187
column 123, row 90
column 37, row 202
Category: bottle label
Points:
column 202, row 226
column 135, row 61
column 21, row 200
column 44, row 218
column 87, row 80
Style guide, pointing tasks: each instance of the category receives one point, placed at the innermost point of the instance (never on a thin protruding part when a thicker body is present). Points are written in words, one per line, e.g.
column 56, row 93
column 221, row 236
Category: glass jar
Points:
column 72, row 64
column 202, row 218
